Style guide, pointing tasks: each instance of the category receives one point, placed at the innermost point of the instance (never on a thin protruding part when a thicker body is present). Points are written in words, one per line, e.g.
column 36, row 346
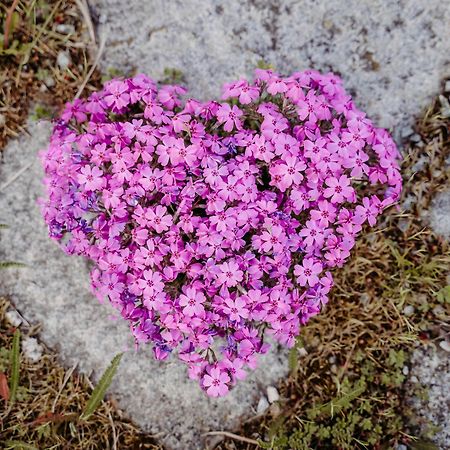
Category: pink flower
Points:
column 339, row 189
column 216, row 382
column 288, row 173
column 229, row 274
column 150, row 283
column 274, row 239
column 158, row 219
column 118, row 96
column 229, row 116
column 208, row 224
column 192, row 302
column 235, row 309
column 91, row 177
column 308, row 272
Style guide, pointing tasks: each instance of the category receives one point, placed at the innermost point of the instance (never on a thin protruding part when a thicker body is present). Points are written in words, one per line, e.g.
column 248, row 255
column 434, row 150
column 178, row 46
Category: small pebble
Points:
column 401, row 447
column 272, row 394
column 65, row 28
column 406, row 132
column 263, row 404
column 445, row 345
column 414, row 379
column 405, row 370
column 14, row 318
column 49, row 82
column 32, row 349
column 438, row 310
column 63, row 60
column 275, row 409
column 447, row 86
column 302, row 352
column 364, row 298
column 408, row 310
column 403, row 225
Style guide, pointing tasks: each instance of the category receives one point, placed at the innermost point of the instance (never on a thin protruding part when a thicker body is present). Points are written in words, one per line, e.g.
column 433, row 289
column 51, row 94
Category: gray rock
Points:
column 54, row 289
column 431, row 366
column 392, row 55
column 439, row 214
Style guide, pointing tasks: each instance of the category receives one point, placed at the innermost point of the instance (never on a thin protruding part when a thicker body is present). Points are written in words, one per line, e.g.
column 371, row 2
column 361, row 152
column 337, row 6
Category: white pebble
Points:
column 401, row 447
column 32, row 349
column 272, row 394
column 405, row 370
column 445, row 345
column 263, row 404
column 63, row 60
column 65, row 28
column 408, row 310
column 302, row 352
column 13, row 318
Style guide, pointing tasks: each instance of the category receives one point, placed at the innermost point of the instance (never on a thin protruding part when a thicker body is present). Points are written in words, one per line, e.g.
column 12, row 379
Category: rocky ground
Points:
column 392, row 56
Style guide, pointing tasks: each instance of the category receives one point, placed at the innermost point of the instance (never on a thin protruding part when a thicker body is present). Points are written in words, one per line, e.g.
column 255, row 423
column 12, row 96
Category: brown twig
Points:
column 232, row 436
column 94, row 65
column 84, row 8
column 8, row 23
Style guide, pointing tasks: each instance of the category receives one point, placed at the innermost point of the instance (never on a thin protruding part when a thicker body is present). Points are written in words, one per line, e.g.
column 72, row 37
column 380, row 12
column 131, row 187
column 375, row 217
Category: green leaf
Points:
column 261, row 64
column 10, row 264
column 19, row 445
column 15, row 366
column 443, row 296
column 99, row 391
column 423, row 445
column 293, row 360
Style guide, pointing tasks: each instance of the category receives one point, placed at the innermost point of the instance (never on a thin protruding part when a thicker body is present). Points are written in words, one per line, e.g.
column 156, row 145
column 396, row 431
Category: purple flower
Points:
column 211, row 224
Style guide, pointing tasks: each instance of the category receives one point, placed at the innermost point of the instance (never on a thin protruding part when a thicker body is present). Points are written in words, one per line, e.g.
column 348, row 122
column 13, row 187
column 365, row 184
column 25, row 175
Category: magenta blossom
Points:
column 212, row 224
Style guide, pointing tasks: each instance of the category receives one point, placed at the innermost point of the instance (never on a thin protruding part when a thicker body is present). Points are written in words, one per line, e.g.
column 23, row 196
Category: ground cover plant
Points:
column 347, row 386
column 214, row 224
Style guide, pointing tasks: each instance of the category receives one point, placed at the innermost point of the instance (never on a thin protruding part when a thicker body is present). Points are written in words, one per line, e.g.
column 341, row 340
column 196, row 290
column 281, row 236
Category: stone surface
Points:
column 391, row 55
column 440, row 214
column 431, row 368
column 54, row 289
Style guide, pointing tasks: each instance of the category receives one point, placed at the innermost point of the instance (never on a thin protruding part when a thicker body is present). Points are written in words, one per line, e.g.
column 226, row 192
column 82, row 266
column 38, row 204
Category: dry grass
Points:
column 39, row 30
column 50, row 400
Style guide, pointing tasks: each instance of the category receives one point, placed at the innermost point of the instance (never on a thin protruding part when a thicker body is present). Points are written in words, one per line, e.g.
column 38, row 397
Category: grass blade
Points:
column 10, row 264
column 15, row 365
column 99, row 391
column 19, row 445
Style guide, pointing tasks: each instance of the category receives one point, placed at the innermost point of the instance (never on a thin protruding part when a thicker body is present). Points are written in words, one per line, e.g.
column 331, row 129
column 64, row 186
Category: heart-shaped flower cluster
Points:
column 212, row 224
